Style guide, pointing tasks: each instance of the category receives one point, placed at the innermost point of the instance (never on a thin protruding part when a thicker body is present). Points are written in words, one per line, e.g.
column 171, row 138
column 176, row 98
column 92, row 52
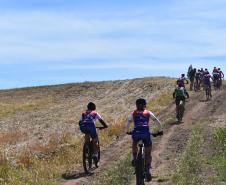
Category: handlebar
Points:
column 101, row 128
column 153, row 134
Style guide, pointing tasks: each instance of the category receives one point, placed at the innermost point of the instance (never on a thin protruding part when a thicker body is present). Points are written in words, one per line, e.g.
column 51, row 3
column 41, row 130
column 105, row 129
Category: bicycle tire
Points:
column 180, row 112
column 140, row 170
column 87, row 157
column 207, row 94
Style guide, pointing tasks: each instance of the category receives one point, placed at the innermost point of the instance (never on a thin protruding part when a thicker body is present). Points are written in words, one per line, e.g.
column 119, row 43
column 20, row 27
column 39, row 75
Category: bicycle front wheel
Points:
column 140, row 170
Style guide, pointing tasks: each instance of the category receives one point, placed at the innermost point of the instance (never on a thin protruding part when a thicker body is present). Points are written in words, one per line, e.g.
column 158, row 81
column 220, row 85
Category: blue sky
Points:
column 53, row 41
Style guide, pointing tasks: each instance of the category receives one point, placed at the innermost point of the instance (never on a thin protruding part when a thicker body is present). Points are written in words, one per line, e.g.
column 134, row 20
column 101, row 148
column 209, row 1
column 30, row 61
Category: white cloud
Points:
column 52, row 36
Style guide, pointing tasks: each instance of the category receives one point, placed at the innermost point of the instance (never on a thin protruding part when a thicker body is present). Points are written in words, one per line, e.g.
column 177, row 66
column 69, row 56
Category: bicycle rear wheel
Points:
column 140, row 170
column 207, row 94
column 180, row 112
column 87, row 157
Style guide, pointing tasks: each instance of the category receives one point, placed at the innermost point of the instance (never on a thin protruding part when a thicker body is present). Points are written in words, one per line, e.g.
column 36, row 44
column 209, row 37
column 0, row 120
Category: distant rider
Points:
column 221, row 75
column 191, row 76
column 206, row 81
column 141, row 118
column 181, row 80
column 198, row 79
column 179, row 94
column 87, row 125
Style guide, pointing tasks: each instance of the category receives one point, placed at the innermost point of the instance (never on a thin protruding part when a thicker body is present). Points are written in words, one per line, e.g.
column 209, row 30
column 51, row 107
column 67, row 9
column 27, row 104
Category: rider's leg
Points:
column 134, row 149
column 148, row 157
column 87, row 138
column 210, row 90
column 191, row 85
column 95, row 147
column 177, row 105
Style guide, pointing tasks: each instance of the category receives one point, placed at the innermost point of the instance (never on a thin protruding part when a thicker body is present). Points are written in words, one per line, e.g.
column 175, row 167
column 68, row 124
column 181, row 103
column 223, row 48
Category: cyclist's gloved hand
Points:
column 160, row 133
column 104, row 127
column 129, row 133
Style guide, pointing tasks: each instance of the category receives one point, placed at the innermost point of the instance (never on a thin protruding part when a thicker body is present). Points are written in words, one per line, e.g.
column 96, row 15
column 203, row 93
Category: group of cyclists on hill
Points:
column 199, row 77
column 141, row 117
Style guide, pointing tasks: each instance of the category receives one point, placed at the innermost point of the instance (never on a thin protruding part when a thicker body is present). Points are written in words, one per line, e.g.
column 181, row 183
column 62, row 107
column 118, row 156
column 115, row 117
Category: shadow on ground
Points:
column 75, row 175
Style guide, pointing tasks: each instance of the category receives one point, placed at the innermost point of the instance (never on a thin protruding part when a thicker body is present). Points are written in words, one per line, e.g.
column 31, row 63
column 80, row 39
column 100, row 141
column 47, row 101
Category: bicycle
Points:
column 140, row 161
column 196, row 85
column 180, row 111
column 208, row 93
column 87, row 157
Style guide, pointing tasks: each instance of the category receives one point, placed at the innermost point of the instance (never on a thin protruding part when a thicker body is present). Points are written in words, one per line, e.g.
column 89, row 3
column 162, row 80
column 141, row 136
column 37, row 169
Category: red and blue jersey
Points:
column 89, row 117
column 206, row 79
column 141, row 118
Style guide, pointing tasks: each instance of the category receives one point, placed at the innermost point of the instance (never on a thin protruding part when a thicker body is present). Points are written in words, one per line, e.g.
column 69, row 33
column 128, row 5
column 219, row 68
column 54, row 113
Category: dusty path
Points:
column 168, row 150
column 165, row 149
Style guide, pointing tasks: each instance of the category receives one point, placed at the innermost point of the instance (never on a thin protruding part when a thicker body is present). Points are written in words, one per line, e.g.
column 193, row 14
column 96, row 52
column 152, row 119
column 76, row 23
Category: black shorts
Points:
column 178, row 99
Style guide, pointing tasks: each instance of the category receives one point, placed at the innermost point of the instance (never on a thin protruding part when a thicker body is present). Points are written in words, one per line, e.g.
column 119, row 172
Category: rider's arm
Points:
column 130, row 120
column 101, row 121
column 156, row 120
column 222, row 75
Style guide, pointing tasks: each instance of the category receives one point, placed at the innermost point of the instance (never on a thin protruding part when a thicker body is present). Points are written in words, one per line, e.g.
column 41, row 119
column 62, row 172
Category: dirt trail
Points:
column 167, row 152
column 168, row 147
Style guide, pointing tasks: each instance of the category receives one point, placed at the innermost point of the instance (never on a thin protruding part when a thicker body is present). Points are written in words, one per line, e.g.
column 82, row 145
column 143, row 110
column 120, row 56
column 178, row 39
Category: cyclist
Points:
column 141, row 119
column 87, row 125
column 206, row 81
column 198, row 79
column 216, row 75
column 221, row 74
column 181, row 80
column 180, row 94
column 191, row 76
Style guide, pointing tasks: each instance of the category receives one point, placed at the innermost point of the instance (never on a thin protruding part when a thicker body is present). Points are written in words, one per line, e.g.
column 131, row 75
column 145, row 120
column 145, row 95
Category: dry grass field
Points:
column 39, row 135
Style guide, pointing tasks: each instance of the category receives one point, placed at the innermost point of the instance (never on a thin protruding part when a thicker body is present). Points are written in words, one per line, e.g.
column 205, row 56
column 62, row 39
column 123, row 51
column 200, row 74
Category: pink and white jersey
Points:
column 142, row 119
column 90, row 117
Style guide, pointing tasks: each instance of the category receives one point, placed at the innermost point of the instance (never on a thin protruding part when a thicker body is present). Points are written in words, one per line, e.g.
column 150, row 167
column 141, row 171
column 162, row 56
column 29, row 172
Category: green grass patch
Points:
column 120, row 174
column 191, row 162
column 219, row 159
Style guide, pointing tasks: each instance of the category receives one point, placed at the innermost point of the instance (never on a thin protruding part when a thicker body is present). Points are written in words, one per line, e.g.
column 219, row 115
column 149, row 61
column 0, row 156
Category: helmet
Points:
column 91, row 106
column 141, row 102
column 182, row 75
column 219, row 68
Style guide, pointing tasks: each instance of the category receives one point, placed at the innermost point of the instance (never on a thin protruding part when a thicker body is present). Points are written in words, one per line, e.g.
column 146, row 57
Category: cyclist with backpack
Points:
column 87, row 125
column 179, row 94
column 141, row 118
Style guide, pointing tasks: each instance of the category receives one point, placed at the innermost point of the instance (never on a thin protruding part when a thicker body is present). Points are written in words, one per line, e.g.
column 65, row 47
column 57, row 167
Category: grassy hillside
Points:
column 39, row 134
